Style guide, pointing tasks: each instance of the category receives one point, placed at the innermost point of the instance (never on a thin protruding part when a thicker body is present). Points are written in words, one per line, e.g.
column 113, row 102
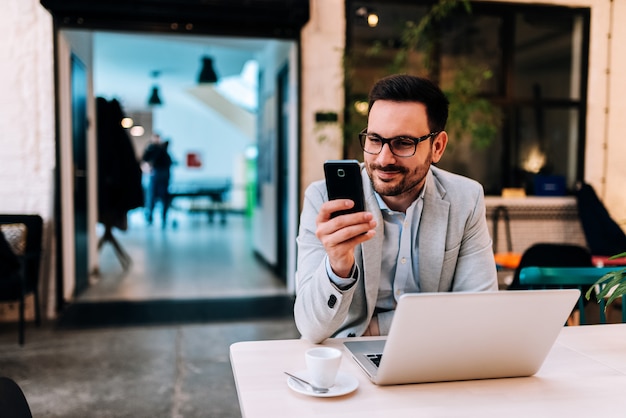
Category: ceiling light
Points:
column 251, row 152
column 207, row 73
column 155, row 99
column 372, row 20
column 369, row 15
column 127, row 123
column 137, row 130
column 361, row 107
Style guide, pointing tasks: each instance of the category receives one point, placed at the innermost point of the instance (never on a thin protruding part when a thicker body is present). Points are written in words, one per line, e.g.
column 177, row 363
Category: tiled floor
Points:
column 156, row 370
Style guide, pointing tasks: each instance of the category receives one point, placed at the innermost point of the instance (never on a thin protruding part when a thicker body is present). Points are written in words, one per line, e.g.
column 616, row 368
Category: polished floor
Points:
column 190, row 258
column 139, row 366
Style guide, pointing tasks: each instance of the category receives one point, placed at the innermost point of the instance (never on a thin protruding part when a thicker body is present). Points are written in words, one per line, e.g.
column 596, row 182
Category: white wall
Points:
column 264, row 223
column 614, row 176
column 193, row 127
column 27, row 118
column 26, row 109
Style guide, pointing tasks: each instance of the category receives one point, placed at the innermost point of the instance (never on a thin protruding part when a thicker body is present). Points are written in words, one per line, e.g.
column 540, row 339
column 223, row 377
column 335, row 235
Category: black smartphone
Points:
column 343, row 181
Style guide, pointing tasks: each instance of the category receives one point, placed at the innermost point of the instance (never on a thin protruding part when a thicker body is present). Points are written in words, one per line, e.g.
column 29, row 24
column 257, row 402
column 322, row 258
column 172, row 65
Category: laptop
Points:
column 438, row 337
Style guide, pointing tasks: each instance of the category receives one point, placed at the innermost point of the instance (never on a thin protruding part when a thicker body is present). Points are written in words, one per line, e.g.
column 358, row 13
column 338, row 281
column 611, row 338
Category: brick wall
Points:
column 26, row 117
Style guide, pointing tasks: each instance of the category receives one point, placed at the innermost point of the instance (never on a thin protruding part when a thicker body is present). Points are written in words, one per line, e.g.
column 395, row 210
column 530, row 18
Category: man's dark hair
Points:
column 408, row 88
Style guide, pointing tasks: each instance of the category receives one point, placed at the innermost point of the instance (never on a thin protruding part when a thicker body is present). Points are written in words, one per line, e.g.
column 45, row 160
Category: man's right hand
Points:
column 341, row 234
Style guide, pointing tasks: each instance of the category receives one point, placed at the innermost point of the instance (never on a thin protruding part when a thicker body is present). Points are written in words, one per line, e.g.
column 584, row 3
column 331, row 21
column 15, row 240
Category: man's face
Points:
column 401, row 176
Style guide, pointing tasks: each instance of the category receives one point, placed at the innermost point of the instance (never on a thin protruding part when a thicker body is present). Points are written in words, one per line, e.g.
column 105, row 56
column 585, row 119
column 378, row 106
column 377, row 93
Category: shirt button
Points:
column 403, row 260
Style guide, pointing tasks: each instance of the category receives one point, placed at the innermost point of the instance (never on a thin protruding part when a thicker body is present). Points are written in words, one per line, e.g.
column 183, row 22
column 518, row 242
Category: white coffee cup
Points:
column 323, row 364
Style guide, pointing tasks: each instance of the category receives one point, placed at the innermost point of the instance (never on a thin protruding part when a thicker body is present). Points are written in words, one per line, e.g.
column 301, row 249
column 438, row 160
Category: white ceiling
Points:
column 124, row 62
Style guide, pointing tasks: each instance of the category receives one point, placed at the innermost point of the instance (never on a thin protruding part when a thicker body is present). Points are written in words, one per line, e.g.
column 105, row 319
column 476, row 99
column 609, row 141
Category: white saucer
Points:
column 344, row 384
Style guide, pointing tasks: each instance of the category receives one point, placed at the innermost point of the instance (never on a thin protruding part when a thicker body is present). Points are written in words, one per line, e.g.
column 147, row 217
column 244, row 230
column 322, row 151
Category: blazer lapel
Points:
column 432, row 235
column 372, row 249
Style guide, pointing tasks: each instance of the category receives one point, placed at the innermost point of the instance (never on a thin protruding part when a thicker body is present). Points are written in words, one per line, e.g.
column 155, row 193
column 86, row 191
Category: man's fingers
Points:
column 341, row 234
column 344, row 228
column 332, row 206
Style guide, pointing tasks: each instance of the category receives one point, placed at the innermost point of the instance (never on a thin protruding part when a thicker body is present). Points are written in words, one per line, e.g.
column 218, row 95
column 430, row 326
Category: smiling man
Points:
column 423, row 229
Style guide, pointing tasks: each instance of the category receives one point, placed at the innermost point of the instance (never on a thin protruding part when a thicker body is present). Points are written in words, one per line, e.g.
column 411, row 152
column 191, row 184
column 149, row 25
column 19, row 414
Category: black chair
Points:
column 16, row 285
column 604, row 236
column 13, row 403
column 551, row 255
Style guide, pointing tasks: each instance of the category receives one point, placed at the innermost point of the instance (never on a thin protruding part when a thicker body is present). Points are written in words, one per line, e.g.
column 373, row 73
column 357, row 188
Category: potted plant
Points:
column 612, row 285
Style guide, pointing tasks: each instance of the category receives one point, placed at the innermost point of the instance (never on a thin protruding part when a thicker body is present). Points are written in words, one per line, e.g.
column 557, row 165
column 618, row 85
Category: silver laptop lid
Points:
column 461, row 336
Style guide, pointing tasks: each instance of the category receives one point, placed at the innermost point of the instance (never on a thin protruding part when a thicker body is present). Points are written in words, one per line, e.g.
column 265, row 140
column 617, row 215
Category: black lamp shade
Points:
column 207, row 73
column 154, row 99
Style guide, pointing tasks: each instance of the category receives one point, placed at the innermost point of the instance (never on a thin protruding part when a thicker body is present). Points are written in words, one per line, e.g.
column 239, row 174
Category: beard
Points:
column 411, row 180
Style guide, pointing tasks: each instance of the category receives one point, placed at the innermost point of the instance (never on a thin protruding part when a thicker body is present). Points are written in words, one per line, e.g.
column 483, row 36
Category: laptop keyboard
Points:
column 375, row 358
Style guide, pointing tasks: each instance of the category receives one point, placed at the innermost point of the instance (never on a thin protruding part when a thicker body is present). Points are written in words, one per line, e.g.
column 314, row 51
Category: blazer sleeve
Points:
column 320, row 307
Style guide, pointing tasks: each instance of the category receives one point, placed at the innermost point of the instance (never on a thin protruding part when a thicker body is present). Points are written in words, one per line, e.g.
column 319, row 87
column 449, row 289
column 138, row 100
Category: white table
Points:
column 583, row 376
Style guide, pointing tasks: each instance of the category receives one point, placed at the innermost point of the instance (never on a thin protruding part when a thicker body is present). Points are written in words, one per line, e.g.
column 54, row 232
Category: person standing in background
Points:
column 157, row 162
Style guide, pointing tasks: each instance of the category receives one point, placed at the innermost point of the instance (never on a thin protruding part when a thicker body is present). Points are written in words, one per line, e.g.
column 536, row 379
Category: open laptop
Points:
column 436, row 337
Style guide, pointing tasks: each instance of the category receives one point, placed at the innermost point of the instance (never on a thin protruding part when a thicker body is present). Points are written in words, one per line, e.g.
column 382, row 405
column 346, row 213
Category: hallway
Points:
column 191, row 271
column 189, row 259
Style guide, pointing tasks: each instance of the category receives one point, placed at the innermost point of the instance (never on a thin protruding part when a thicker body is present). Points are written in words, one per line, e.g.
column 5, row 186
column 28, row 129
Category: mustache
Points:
column 390, row 167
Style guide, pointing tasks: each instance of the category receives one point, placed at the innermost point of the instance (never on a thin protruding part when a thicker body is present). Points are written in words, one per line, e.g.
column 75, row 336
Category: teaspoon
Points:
column 302, row 381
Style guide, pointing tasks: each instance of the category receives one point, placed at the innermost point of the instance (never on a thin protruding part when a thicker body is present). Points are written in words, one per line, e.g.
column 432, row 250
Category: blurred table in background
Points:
column 210, row 196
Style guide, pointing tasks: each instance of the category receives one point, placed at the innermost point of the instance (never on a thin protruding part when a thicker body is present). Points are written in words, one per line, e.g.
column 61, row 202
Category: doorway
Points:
column 186, row 214
column 209, row 122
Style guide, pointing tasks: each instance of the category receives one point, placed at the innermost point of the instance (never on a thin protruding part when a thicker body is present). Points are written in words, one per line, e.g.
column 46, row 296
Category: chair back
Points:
column 551, row 255
column 13, row 403
column 33, row 249
column 569, row 277
column 604, row 236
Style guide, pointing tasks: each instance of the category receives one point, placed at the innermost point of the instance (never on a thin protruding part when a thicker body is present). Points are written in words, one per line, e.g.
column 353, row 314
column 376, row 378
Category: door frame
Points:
column 83, row 18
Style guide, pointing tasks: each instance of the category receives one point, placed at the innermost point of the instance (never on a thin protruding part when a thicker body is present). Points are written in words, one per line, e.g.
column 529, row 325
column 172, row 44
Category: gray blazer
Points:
column 455, row 254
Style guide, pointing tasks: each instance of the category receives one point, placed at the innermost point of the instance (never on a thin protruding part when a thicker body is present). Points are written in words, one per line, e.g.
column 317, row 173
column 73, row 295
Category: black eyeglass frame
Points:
column 416, row 141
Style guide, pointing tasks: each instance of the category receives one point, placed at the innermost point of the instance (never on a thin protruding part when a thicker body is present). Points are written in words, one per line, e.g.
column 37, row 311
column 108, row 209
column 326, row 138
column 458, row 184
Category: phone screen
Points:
column 343, row 181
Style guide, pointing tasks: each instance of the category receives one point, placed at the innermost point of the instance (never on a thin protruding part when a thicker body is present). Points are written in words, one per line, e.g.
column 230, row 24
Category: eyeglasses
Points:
column 400, row 146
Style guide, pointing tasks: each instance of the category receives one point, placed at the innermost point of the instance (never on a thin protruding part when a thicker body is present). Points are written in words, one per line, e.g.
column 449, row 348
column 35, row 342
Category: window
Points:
column 537, row 56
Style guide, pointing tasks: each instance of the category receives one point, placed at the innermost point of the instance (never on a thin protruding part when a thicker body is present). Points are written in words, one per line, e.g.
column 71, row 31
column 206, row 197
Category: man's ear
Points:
column 439, row 145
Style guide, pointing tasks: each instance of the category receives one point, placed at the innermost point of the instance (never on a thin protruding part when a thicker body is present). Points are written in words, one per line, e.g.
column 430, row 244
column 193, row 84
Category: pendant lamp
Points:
column 154, row 99
column 207, row 73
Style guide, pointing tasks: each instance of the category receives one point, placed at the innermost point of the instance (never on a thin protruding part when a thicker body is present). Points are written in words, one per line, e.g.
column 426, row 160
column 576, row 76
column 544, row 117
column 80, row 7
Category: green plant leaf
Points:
column 613, row 283
column 618, row 292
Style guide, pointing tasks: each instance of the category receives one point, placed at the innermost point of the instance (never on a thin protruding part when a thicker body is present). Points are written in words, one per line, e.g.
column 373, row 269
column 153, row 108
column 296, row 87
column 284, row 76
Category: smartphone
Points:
column 343, row 181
